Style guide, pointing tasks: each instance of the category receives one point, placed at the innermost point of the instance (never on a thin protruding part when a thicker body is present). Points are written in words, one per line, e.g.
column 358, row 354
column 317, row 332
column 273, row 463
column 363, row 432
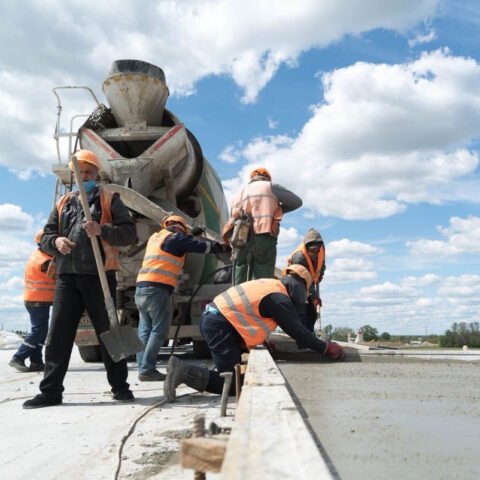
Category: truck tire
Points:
column 90, row 353
column 200, row 349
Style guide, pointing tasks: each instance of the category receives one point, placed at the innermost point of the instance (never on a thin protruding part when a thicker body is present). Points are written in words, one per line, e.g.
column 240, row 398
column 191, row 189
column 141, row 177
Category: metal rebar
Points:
column 199, row 431
column 227, row 381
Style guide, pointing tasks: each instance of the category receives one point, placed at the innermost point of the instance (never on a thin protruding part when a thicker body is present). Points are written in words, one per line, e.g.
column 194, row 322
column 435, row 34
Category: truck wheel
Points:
column 200, row 349
column 90, row 353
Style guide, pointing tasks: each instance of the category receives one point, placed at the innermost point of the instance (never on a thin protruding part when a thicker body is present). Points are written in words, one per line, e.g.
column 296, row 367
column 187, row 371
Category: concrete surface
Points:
column 81, row 439
column 393, row 417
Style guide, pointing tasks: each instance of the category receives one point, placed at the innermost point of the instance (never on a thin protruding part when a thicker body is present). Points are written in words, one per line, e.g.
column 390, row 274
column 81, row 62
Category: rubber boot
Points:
column 181, row 372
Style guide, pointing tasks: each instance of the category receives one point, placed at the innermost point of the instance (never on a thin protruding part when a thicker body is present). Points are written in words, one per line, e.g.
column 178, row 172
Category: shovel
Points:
column 120, row 341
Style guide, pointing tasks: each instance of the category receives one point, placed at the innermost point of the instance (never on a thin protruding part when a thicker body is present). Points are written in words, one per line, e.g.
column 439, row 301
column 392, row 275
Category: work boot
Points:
column 40, row 401
column 181, row 372
column 124, row 396
column 37, row 367
column 18, row 364
column 155, row 376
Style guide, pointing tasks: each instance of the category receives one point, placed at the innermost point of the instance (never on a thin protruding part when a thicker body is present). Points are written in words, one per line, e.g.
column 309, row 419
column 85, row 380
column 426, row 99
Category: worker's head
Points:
column 261, row 172
column 38, row 236
column 175, row 222
column 88, row 164
column 313, row 241
column 299, row 272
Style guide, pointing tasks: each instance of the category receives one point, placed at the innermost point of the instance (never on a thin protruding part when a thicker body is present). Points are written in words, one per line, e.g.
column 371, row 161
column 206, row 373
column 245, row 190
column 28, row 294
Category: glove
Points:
column 334, row 351
column 218, row 247
column 316, row 301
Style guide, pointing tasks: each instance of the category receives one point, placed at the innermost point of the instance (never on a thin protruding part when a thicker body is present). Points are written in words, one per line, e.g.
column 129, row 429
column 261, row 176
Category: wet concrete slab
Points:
column 393, row 417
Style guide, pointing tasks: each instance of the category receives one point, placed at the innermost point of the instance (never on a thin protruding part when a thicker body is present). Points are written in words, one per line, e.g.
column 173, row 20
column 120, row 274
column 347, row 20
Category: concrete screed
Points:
column 393, row 417
column 81, row 438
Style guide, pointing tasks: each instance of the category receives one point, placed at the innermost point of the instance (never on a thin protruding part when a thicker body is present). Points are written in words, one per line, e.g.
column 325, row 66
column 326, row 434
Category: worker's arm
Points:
column 50, row 234
column 281, row 309
column 121, row 231
column 178, row 244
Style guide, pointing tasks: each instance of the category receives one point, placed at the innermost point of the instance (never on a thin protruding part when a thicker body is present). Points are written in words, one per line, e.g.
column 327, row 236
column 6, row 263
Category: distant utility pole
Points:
column 426, row 332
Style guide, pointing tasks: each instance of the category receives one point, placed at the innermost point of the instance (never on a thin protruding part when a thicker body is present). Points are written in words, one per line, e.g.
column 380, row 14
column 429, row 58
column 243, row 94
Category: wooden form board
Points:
column 269, row 439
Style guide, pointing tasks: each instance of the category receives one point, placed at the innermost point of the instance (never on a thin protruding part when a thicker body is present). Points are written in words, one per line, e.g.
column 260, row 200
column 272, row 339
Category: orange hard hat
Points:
column 86, row 156
column 261, row 171
column 175, row 220
column 38, row 236
column 300, row 271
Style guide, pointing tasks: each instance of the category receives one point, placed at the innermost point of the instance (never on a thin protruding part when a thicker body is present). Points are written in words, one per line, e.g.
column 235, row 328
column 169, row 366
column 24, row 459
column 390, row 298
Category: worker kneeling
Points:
column 242, row 318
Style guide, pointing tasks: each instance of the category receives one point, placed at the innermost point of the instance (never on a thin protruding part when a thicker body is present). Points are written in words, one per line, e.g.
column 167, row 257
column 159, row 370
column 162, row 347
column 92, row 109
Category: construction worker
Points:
column 257, row 258
column 161, row 269
column 78, row 288
column 38, row 297
column 311, row 254
column 242, row 318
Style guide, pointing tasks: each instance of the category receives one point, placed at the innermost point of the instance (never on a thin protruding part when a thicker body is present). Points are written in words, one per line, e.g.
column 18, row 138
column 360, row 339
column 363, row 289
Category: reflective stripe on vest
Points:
column 259, row 201
column 240, row 306
column 158, row 265
column 38, row 286
column 112, row 254
column 316, row 274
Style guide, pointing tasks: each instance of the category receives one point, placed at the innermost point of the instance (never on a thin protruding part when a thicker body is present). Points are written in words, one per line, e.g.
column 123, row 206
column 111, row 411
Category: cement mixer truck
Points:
column 158, row 168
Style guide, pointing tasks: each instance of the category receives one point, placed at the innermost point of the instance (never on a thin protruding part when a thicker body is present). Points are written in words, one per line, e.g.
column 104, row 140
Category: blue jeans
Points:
column 33, row 343
column 154, row 308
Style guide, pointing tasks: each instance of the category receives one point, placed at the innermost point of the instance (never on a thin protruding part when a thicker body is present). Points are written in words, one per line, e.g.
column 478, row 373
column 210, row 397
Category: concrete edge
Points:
column 269, row 439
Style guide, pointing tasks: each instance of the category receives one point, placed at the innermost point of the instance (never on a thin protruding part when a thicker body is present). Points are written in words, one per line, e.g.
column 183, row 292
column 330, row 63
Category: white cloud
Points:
column 12, row 218
column 350, row 248
column 272, row 124
column 462, row 237
column 423, row 38
column 190, row 39
column 386, row 136
column 230, row 154
column 346, row 270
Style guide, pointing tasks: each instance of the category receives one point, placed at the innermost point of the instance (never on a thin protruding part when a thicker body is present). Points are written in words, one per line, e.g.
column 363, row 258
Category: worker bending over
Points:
column 161, row 269
column 311, row 254
column 241, row 318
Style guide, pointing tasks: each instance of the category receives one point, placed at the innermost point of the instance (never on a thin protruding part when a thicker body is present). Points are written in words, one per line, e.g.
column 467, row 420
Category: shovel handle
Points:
column 94, row 239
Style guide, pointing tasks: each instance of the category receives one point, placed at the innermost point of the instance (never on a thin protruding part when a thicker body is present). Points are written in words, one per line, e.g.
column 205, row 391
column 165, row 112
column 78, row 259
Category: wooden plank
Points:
column 261, row 369
column 203, row 454
column 269, row 439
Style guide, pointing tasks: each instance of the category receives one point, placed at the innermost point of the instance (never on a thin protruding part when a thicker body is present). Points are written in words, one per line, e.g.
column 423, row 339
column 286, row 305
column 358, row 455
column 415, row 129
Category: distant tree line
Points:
column 461, row 334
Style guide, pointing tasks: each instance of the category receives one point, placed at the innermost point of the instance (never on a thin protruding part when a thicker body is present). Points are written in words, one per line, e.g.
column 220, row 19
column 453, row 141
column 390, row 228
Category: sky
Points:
column 369, row 111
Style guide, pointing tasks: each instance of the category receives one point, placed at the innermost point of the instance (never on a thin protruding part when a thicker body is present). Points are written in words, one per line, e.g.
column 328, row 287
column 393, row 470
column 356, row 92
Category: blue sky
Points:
column 370, row 111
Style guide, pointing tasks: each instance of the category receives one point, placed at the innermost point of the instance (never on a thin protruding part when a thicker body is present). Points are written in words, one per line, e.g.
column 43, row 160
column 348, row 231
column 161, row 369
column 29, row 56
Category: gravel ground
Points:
column 396, row 418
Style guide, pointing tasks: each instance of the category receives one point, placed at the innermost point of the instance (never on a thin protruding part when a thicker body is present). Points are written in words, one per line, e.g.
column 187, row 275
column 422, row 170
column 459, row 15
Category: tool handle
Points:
column 94, row 239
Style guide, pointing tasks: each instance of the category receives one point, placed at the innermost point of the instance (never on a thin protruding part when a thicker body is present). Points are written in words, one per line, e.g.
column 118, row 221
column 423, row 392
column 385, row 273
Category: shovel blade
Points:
column 121, row 342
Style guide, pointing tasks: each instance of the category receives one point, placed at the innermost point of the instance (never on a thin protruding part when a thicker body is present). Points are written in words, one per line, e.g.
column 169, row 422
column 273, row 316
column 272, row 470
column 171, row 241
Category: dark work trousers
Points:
column 226, row 346
column 73, row 295
column 310, row 315
column 33, row 343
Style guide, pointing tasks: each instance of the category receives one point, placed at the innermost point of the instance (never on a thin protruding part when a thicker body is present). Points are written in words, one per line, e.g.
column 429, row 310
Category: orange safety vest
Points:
column 240, row 306
column 158, row 265
column 317, row 273
column 38, row 286
column 260, row 202
column 112, row 254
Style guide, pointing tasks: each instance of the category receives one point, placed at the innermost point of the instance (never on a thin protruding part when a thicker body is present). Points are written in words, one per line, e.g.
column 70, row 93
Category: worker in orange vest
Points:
column 38, row 296
column 241, row 318
column 256, row 259
column 158, row 276
column 78, row 288
column 311, row 254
